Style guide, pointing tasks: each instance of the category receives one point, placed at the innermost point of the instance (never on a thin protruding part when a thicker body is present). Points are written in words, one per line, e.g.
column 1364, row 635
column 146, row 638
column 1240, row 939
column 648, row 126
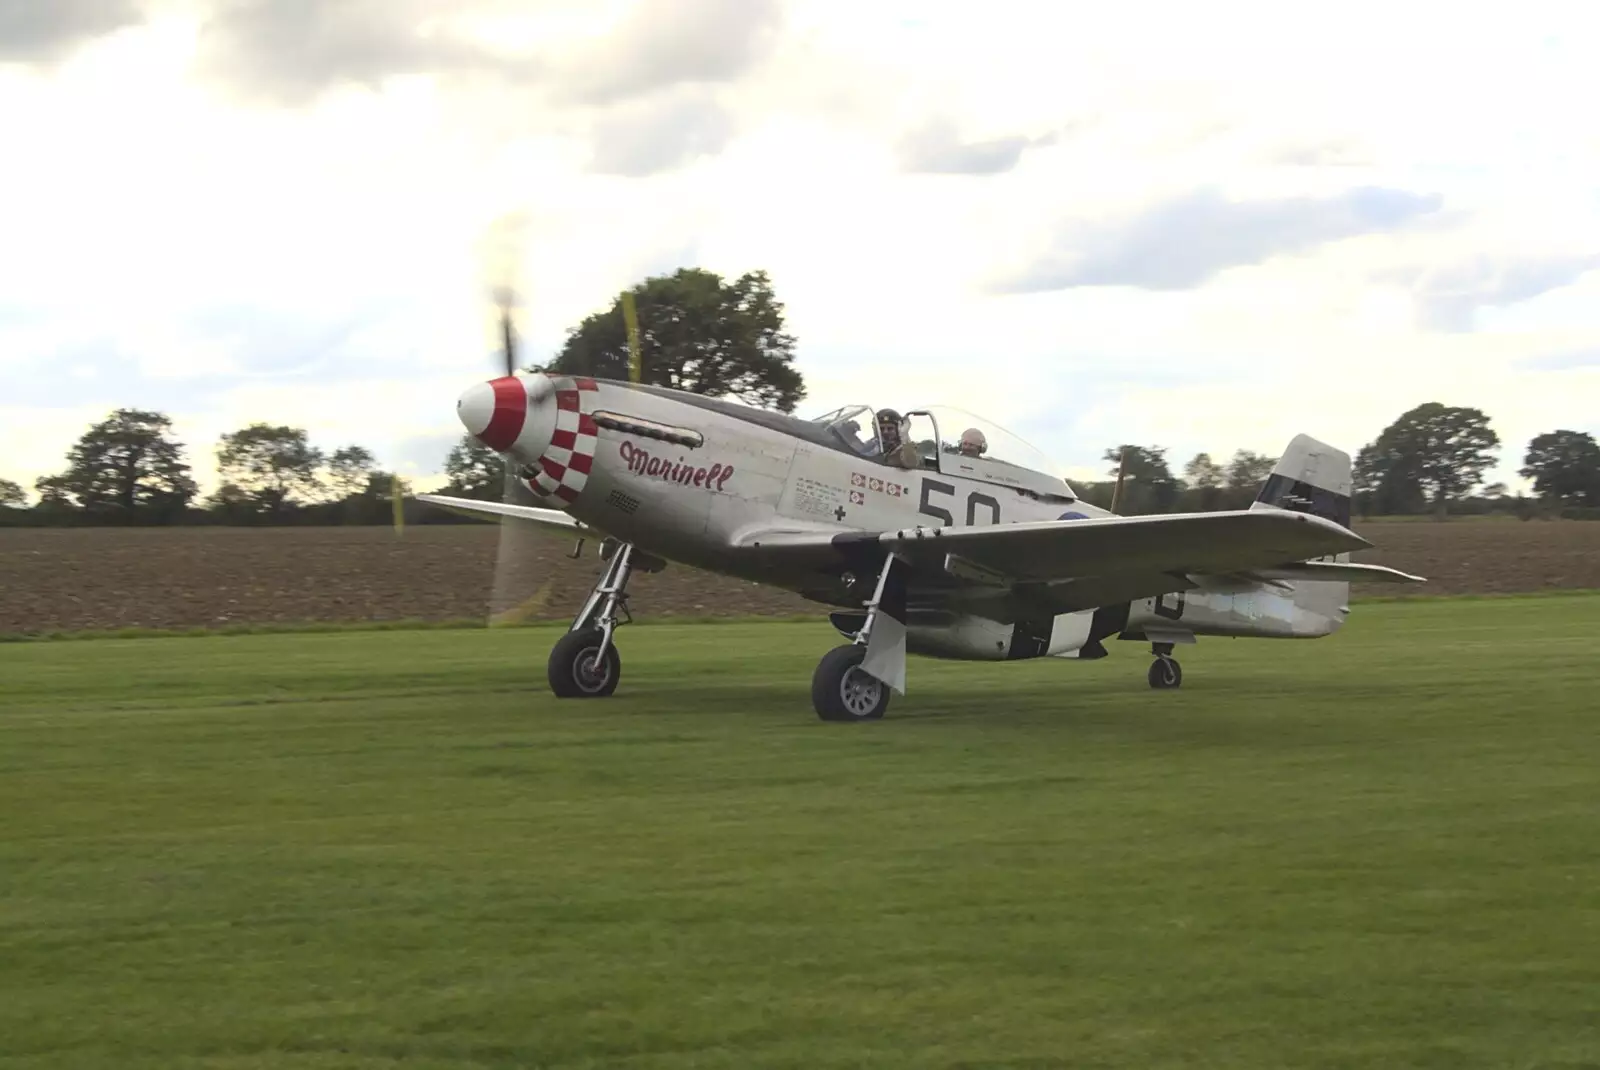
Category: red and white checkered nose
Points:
column 511, row 414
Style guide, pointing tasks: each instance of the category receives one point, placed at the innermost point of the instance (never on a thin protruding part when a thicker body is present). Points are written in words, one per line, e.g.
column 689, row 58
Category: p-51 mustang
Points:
column 928, row 536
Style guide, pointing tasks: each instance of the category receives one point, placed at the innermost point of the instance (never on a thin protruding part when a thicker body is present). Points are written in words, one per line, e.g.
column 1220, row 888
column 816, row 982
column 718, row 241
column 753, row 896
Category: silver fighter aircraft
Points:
column 931, row 532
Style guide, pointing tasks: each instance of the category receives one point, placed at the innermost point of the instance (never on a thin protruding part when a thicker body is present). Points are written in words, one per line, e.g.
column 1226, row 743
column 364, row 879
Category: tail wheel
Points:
column 1165, row 674
column 842, row 691
column 574, row 670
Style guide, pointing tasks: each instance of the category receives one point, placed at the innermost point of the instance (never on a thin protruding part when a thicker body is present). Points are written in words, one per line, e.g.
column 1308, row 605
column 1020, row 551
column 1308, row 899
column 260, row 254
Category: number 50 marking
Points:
column 975, row 501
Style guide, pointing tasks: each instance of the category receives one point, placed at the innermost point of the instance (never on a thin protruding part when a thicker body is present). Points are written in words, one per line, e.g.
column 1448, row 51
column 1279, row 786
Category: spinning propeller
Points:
column 516, row 568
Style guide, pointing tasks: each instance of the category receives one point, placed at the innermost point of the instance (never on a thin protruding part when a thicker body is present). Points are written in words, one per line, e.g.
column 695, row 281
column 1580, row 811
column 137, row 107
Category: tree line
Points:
column 726, row 338
column 1430, row 460
column 130, row 469
column 697, row 332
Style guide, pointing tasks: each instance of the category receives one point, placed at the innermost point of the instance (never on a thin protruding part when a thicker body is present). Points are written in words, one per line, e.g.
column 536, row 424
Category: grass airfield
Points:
column 379, row 849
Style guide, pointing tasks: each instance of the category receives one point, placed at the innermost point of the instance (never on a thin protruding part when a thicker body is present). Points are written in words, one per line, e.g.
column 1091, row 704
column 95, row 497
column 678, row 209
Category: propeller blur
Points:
column 932, row 532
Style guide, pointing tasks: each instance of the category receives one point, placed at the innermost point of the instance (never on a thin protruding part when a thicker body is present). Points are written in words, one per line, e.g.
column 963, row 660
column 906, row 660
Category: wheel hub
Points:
column 859, row 691
column 591, row 671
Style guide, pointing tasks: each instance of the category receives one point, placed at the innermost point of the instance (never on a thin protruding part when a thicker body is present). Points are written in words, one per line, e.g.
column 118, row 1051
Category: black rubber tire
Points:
column 1165, row 674
column 569, row 658
column 840, row 691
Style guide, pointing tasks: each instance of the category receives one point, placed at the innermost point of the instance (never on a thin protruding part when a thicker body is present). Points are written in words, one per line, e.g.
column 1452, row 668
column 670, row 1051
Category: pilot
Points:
column 973, row 444
column 896, row 450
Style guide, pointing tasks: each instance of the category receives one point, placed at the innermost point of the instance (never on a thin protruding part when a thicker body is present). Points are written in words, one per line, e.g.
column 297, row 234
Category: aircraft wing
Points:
column 1095, row 561
column 553, row 519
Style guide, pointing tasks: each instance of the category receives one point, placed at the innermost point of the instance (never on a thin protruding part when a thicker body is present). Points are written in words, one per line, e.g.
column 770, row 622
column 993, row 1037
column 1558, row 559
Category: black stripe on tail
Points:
column 1300, row 497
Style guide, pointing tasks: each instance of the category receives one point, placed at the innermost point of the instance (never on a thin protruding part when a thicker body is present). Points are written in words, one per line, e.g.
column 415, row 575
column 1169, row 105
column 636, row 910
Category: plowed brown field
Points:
column 64, row 579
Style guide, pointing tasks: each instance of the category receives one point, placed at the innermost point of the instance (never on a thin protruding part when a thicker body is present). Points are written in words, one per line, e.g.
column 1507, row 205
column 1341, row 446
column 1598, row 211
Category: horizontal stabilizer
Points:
column 1342, row 572
column 549, row 518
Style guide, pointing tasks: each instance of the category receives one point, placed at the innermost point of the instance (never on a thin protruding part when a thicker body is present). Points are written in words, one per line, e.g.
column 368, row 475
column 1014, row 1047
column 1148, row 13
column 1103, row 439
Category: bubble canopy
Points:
column 855, row 426
column 1001, row 445
column 955, row 441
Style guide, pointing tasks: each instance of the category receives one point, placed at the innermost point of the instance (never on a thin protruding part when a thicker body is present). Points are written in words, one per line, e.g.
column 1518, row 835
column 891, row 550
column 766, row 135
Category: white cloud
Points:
column 33, row 31
column 275, row 214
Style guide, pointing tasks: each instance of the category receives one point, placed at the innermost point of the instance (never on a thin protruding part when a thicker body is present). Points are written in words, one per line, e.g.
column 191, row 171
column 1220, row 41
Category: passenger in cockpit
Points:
column 896, row 450
column 973, row 444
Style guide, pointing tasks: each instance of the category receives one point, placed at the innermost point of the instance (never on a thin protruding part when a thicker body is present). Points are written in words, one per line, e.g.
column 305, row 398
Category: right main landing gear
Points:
column 841, row 688
column 584, row 663
column 1165, row 673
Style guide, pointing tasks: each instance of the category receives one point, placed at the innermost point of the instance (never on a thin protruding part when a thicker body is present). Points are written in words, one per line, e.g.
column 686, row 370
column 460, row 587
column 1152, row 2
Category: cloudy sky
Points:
column 1200, row 226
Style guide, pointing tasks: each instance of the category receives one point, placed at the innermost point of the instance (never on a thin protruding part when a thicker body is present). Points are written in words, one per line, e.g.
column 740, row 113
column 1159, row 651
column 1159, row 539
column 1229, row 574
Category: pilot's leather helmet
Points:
column 889, row 424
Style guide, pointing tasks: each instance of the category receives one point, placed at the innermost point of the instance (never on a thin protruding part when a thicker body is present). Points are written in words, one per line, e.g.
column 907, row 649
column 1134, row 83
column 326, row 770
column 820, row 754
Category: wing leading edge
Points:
column 553, row 519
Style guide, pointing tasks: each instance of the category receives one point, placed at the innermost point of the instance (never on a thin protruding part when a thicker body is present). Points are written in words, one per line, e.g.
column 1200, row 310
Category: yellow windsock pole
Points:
column 1122, row 472
column 396, row 499
column 630, row 316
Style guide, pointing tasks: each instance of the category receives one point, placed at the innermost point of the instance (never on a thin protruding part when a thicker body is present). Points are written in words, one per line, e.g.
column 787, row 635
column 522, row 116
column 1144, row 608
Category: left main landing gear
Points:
column 1165, row 673
column 584, row 663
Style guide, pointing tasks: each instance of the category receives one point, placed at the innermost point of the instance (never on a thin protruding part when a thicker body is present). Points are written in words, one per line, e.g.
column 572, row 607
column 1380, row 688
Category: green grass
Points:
column 383, row 849
column 398, row 625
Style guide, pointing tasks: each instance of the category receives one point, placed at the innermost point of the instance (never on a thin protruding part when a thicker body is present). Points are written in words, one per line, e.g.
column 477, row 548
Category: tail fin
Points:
column 1313, row 477
column 1310, row 477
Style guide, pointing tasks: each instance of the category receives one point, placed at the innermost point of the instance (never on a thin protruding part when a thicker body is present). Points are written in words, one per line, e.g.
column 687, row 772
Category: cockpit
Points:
column 856, row 427
column 947, row 440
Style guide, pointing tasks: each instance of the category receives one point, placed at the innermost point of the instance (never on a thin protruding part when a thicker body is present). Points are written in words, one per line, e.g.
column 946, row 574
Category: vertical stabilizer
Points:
column 1313, row 477
column 1310, row 477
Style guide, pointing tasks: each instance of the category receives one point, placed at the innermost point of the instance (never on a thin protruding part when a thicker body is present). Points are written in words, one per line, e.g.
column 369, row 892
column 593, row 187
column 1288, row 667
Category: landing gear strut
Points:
column 584, row 663
column 1165, row 673
column 842, row 689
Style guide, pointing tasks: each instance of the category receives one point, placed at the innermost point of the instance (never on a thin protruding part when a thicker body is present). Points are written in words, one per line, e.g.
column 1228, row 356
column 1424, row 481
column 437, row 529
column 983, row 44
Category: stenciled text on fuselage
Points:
column 644, row 463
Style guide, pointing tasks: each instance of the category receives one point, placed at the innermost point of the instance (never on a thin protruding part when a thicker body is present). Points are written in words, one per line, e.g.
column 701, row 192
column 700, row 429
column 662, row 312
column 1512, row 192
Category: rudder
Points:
column 1311, row 477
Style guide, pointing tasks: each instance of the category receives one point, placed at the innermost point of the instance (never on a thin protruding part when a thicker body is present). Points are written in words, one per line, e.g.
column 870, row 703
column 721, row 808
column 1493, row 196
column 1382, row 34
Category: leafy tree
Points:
column 1149, row 485
column 231, row 503
column 53, row 492
column 1564, row 465
column 475, row 471
column 126, row 465
column 1248, row 470
column 349, row 470
column 270, row 464
column 1434, row 452
column 696, row 333
column 1384, row 483
column 1205, row 478
column 380, row 487
column 12, row 494
column 1204, row 473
